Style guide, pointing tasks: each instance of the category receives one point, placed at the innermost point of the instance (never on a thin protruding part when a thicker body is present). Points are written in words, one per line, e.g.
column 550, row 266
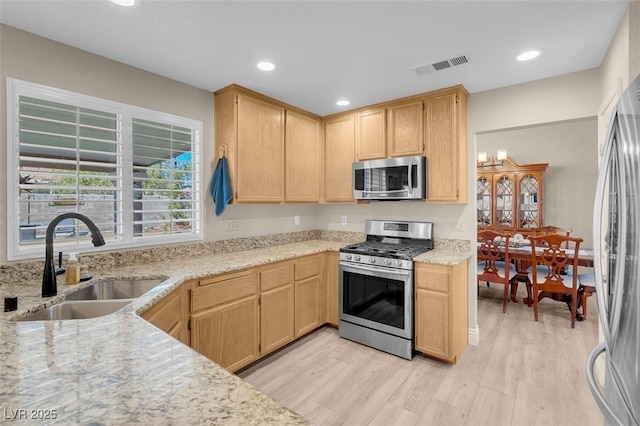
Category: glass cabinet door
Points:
column 483, row 199
column 504, row 201
column 528, row 215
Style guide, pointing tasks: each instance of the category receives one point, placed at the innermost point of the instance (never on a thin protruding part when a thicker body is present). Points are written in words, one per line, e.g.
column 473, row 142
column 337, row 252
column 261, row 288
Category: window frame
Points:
column 124, row 116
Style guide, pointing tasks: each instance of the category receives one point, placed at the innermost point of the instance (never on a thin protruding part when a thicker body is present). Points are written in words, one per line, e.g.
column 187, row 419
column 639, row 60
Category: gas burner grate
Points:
column 401, row 251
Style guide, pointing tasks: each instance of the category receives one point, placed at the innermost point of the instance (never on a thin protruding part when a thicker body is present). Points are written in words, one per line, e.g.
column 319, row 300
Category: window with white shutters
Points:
column 134, row 172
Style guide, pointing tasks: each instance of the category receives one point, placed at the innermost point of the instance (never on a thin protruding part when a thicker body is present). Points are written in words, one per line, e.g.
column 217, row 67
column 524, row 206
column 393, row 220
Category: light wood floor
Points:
column 521, row 373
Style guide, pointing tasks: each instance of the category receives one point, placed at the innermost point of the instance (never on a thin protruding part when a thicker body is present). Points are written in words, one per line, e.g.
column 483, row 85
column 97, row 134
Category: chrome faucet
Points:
column 49, row 284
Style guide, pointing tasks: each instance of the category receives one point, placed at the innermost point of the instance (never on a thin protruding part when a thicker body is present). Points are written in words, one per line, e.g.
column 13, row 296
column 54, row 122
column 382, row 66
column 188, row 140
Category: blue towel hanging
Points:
column 220, row 188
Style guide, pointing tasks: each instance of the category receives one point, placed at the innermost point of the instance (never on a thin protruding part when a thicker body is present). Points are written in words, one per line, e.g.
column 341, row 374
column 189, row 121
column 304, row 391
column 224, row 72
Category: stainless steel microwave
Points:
column 400, row 178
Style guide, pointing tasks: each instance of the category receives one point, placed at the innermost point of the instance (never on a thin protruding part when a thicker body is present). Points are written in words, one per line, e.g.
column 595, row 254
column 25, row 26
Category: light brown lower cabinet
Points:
column 441, row 310
column 225, row 319
column 167, row 316
column 331, row 268
column 276, row 306
column 238, row 317
column 308, row 295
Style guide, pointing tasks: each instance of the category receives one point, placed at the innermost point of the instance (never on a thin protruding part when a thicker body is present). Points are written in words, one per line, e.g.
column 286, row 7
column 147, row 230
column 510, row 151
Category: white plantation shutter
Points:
column 163, row 178
column 134, row 172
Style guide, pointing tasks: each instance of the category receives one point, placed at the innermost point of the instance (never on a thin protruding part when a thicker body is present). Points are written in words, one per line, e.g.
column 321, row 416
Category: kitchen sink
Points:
column 77, row 310
column 115, row 289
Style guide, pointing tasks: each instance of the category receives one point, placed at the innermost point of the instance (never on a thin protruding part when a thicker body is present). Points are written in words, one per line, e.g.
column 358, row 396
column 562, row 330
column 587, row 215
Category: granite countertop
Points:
column 119, row 369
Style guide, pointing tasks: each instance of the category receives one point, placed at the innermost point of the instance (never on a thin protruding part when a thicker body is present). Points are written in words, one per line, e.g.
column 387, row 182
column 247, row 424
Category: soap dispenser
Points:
column 84, row 271
column 72, row 274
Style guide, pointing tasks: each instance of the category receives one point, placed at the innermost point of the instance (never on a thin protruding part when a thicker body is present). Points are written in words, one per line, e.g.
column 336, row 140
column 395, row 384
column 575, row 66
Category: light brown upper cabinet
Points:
column 276, row 154
column 405, row 135
column 260, row 150
column 371, row 134
column 445, row 128
column 303, row 157
column 251, row 129
column 339, row 156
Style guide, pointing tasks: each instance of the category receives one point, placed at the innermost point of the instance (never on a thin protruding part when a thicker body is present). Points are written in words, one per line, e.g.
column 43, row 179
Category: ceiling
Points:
column 326, row 50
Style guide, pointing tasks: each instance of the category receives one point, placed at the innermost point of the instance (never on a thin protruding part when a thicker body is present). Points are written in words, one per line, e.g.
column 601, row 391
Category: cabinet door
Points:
column 339, row 157
column 529, row 202
column 446, row 155
column 441, row 310
column 504, row 203
column 307, row 305
column 484, row 200
column 302, row 158
column 371, row 134
column 432, row 323
column 405, row 129
column 333, row 259
column 260, row 151
column 228, row 334
column 167, row 313
column 276, row 318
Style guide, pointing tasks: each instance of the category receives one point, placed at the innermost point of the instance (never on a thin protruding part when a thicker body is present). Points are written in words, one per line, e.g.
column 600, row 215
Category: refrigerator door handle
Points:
column 610, row 417
column 605, row 162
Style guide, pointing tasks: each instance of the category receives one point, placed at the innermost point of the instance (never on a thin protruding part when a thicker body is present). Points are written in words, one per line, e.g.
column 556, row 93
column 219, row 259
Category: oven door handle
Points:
column 374, row 270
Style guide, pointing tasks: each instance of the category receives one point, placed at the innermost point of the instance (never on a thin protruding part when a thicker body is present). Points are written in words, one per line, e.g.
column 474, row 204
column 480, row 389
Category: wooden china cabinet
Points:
column 510, row 194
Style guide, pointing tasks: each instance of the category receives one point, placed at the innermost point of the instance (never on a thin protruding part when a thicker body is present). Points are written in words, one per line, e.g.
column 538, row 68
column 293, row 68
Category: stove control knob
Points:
column 372, row 260
column 398, row 262
column 356, row 257
column 387, row 262
column 347, row 256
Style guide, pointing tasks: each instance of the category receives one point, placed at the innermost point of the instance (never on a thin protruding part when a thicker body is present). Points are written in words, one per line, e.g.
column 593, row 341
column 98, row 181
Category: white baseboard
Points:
column 474, row 336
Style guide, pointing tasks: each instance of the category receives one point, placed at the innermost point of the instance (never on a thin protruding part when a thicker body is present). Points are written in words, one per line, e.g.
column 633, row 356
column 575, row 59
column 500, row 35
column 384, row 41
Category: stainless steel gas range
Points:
column 376, row 285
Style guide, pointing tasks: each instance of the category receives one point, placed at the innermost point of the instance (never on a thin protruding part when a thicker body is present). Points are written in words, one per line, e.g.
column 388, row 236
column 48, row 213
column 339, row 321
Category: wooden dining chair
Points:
column 586, row 287
column 554, row 270
column 494, row 265
column 546, row 230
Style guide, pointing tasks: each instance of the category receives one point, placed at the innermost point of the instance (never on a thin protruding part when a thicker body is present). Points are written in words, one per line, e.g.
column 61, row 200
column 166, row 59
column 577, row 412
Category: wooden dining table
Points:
column 521, row 257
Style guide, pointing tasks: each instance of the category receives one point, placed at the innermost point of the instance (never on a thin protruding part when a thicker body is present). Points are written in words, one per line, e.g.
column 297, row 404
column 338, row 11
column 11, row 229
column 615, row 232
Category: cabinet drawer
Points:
column 222, row 289
column 433, row 277
column 307, row 267
column 276, row 276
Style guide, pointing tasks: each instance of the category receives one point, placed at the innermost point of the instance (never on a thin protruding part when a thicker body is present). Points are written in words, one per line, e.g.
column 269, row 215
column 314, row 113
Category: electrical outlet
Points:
column 296, row 220
column 344, row 220
column 458, row 225
column 232, row 225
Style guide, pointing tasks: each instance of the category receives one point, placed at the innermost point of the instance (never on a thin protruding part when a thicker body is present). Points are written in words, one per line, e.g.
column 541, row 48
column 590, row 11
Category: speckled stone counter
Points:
column 119, row 369
column 447, row 252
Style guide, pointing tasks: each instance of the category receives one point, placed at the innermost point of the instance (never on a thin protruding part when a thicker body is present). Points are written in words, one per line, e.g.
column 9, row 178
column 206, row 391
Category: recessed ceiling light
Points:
column 124, row 2
column 342, row 102
column 527, row 56
column 266, row 66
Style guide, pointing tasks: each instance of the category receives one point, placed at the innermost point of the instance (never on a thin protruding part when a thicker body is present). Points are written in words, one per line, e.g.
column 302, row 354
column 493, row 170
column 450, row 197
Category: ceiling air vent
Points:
column 440, row 65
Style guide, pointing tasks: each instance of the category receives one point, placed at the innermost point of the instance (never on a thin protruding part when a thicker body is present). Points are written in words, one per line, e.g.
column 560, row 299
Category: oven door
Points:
column 376, row 297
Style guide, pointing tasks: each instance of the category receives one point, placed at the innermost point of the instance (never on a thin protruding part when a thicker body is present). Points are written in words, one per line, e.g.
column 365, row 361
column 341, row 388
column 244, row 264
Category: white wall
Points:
column 634, row 39
column 262, row 219
column 615, row 64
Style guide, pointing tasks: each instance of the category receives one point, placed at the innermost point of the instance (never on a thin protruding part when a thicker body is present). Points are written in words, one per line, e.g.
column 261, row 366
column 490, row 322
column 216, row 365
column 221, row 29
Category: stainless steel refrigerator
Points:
column 616, row 230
